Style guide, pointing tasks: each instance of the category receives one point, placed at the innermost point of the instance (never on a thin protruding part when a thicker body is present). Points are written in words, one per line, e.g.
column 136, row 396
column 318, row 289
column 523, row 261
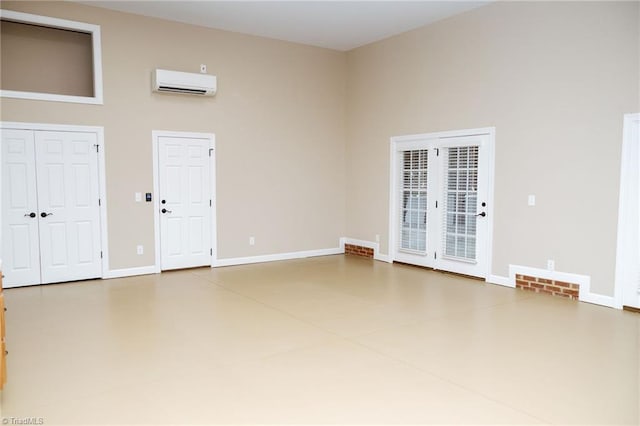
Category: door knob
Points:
column 483, row 214
column 165, row 211
column 43, row 214
column 32, row 215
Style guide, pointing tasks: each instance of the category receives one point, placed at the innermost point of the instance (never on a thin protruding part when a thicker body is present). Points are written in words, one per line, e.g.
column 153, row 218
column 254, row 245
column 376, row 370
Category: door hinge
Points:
column 437, row 152
column 97, row 147
column 435, row 255
column 210, row 151
column 100, row 255
column 211, row 252
column 209, row 203
column 99, row 202
column 436, row 204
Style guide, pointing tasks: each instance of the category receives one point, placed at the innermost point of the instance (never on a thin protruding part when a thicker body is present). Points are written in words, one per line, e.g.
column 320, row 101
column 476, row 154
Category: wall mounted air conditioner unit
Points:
column 183, row 82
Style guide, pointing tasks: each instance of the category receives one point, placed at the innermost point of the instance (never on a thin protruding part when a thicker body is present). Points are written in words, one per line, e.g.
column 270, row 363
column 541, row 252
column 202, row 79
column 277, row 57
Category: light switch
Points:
column 138, row 197
column 532, row 200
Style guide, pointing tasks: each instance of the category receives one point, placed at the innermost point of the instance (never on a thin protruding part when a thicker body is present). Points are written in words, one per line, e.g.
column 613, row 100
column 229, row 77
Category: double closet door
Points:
column 441, row 203
column 50, row 207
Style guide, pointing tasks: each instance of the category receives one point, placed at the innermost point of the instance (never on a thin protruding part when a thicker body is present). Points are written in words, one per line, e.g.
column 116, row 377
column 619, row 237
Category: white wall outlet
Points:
column 551, row 265
column 203, row 68
column 252, row 241
column 140, row 249
column 531, row 200
column 377, row 238
column 138, row 197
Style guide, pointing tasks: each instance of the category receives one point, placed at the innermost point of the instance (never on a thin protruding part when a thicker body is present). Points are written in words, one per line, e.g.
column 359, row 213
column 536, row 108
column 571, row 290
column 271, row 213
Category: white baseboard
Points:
column 130, row 272
column 583, row 281
column 275, row 257
column 500, row 280
column 368, row 244
column 599, row 299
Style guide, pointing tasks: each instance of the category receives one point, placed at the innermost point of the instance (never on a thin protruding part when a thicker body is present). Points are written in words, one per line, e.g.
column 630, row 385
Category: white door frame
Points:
column 417, row 139
column 155, row 139
column 99, row 131
column 628, row 245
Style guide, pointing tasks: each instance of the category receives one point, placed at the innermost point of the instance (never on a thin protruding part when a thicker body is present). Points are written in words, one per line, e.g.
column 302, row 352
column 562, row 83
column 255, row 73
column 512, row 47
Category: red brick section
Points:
column 358, row 250
column 542, row 285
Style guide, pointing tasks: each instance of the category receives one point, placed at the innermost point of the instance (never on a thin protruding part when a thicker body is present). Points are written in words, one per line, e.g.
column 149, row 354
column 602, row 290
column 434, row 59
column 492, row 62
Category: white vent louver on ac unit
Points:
column 183, row 82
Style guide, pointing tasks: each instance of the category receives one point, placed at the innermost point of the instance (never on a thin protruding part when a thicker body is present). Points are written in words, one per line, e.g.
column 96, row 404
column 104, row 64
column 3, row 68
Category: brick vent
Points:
column 542, row 285
column 358, row 250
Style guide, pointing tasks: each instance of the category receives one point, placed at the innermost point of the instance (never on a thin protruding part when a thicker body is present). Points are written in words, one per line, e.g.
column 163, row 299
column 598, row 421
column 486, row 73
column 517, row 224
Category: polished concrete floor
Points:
column 336, row 339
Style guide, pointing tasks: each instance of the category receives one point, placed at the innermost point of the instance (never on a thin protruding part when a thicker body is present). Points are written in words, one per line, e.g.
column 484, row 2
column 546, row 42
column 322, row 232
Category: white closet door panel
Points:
column 67, row 173
column 20, row 246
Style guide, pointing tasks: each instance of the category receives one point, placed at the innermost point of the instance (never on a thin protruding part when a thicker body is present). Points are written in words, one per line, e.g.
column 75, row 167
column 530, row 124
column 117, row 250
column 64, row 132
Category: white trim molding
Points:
column 368, row 244
column 276, row 257
column 130, row 272
column 500, row 280
column 627, row 281
column 46, row 21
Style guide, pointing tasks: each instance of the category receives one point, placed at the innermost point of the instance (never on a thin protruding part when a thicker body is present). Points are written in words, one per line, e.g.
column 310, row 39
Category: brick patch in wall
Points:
column 542, row 285
column 358, row 250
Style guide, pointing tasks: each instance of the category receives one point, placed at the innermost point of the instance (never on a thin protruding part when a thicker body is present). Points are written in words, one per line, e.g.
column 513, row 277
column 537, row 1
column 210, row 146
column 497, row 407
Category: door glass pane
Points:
column 413, row 207
column 461, row 195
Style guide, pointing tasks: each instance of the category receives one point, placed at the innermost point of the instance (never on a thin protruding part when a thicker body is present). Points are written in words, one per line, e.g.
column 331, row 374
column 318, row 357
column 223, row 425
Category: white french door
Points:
column 50, row 207
column 440, row 202
column 186, row 204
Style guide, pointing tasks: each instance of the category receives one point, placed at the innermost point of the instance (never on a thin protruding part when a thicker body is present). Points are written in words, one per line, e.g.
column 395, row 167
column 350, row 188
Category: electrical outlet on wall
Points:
column 203, row 68
column 140, row 249
column 252, row 241
column 551, row 265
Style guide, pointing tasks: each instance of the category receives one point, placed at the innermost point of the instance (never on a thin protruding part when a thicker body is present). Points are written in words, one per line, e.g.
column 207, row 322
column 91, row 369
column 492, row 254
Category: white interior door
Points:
column 50, row 206
column 628, row 248
column 68, row 188
column 184, row 173
column 441, row 192
column 20, row 239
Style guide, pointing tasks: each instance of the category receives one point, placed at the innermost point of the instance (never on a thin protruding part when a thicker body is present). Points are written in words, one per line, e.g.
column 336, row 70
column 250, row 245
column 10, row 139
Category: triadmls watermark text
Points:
column 23, row 420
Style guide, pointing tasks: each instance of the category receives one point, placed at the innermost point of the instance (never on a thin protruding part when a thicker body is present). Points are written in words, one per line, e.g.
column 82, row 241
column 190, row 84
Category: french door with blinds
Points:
column 440, row 212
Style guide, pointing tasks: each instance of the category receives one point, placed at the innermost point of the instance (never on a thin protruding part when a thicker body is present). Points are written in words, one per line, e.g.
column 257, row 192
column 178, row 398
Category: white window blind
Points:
column 460, row 202
column 413, row 208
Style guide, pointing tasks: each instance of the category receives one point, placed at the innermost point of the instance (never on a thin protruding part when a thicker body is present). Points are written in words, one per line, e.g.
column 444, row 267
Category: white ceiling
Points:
column 339, row 25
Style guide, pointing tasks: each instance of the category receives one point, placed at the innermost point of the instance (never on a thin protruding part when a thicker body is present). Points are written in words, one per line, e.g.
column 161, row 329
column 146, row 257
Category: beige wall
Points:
column 303, row 133
column 278, row 117
column 554, row 78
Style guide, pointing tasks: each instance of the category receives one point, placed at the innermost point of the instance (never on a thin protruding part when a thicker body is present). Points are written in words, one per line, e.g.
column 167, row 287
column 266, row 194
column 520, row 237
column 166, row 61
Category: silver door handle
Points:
column 31, row 215
column 43, row 214
column 165, row 211
column 483, row 214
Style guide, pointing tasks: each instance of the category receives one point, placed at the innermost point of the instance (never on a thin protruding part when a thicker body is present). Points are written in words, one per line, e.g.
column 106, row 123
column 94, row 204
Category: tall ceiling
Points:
column 339, row 25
